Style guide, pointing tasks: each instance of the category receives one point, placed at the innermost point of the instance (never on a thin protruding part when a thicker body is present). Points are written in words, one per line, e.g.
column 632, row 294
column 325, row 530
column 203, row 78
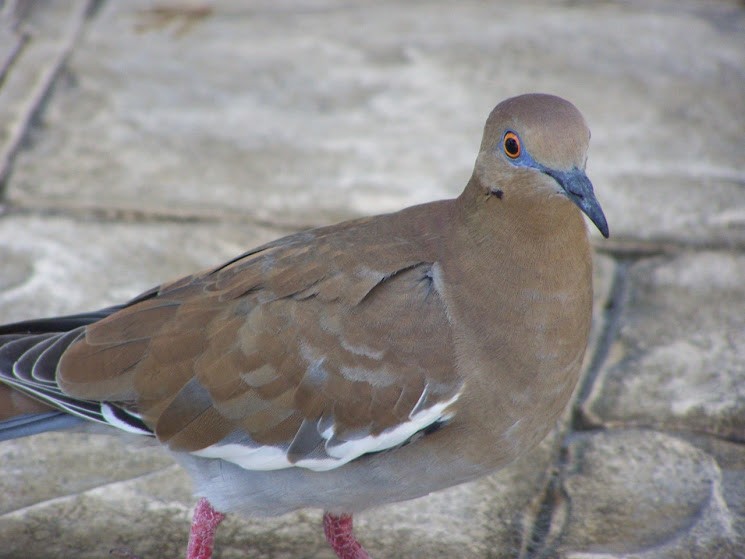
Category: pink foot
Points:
column 338, row 530
column 203, row 525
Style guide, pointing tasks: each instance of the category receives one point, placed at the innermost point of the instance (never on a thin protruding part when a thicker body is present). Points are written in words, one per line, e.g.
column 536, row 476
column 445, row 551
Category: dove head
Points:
column 536, row 144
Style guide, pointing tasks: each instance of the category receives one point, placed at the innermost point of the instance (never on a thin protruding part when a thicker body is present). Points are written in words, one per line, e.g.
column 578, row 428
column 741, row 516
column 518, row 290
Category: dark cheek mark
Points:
column 496, row 192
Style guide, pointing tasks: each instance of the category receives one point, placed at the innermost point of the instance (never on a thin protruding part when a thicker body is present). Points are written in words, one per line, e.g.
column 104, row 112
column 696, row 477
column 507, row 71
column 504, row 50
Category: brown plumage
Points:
column 449, row 335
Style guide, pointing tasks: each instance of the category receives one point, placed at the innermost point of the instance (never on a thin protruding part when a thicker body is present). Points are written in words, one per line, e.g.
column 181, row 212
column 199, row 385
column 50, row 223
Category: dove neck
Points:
column 526, row 211
column 520, row 297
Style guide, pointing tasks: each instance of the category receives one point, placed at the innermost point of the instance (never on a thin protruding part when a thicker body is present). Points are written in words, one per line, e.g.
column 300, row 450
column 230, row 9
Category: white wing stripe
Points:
column 274, row 458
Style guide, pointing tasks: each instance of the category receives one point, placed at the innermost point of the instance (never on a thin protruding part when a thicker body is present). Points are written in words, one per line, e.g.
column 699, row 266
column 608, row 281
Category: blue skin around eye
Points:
column 522, row 160
column 574, row 182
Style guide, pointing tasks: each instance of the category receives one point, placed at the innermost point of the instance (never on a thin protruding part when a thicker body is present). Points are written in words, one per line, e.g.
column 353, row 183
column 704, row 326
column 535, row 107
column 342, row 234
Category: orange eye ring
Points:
column 511, row 145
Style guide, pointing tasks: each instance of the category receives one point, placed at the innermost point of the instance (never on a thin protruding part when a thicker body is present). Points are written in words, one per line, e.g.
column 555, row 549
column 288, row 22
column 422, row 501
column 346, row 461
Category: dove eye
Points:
column 511, row 145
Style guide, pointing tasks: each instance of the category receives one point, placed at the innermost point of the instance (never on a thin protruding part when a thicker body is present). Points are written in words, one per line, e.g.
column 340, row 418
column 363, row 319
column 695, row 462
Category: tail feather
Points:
column 33, row 424
column 44, row 364
column 56, row 324
column 24, row 367
column 29, row 354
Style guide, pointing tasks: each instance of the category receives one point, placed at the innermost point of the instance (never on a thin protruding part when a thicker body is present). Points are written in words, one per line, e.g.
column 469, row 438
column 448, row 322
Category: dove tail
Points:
column 29, row 353
column 35, row 423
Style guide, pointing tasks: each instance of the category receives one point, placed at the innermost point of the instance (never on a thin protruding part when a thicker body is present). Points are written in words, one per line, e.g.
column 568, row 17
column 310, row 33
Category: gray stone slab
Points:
column 57, row 265
column 648, row 495
column 36, row 38
column 267, row 111
column 56, row 465
column 11, row 42
column 678, row 360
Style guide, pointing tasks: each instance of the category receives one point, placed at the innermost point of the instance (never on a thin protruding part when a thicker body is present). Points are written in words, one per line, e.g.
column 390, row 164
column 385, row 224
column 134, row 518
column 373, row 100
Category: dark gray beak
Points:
column 579, row 190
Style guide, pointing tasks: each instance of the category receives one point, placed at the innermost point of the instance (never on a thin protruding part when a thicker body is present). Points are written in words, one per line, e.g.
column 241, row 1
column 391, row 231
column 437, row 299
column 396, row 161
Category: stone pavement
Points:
column 140, row 141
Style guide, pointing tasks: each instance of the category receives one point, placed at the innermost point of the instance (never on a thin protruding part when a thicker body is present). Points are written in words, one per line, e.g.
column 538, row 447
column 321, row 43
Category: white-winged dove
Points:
column 350, row 366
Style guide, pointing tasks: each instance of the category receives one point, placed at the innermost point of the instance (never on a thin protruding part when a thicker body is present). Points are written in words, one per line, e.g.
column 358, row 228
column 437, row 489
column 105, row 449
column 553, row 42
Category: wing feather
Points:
column 302, row 346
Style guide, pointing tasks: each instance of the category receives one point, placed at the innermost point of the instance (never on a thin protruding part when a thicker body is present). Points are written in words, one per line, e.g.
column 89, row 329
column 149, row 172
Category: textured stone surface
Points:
column 678, row 362
column 176, row 135
column 56, row 265
column 277, row 107
column 73, row 463
column 34, row 41
column 645, row 494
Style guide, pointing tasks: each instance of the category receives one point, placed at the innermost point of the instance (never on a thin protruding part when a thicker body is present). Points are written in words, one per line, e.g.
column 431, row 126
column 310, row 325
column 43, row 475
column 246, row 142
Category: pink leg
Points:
column 338, row 530
column 203, row 526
